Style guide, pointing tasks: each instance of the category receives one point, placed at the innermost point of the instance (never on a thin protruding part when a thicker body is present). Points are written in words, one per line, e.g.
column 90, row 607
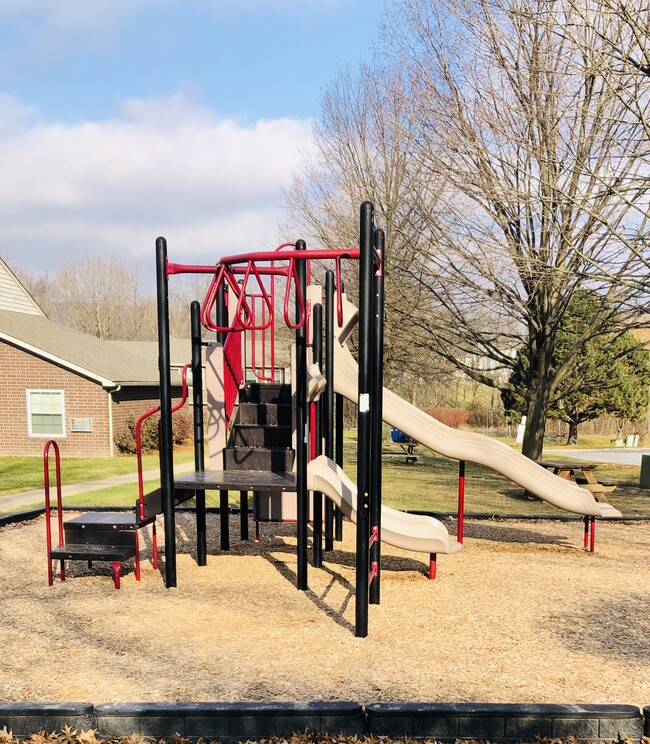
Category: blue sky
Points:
column 124, row 119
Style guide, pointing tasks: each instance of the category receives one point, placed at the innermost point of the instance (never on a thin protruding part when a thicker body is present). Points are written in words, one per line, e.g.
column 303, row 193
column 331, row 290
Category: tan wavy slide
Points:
column 408, row 531
column 462, row 445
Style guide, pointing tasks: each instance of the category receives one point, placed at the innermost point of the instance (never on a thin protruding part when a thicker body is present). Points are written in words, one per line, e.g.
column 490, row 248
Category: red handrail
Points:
column 48, row 527
column 233, row 370
column 265, row 374
column 138, row 436
column 255, row 263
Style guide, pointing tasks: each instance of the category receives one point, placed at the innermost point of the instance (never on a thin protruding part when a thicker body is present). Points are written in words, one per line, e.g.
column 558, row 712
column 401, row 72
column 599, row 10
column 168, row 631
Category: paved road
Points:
column 617, row 455
column 15, row 501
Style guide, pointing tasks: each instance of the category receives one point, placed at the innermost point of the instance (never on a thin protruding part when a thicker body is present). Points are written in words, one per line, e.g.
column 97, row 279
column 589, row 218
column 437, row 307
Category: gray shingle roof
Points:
column 110, row 362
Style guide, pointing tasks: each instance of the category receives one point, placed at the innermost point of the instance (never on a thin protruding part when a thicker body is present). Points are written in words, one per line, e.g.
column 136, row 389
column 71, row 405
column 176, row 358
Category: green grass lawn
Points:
column 26, row 473
column 431, row 484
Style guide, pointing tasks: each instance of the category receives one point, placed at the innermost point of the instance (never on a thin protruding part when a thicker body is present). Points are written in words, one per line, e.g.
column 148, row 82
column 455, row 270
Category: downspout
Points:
column 110, row 392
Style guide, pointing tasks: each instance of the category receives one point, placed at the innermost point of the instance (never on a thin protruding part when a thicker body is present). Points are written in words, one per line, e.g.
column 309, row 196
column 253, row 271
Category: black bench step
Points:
column 104, row 521
column 84, row 552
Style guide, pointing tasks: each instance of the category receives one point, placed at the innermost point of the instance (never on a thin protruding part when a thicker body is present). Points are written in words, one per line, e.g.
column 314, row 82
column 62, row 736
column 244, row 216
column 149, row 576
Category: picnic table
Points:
column 581, row 473
column 407, row 445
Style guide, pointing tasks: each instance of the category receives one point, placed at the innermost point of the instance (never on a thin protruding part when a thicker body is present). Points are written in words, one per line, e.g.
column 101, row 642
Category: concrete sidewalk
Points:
column 36, row 497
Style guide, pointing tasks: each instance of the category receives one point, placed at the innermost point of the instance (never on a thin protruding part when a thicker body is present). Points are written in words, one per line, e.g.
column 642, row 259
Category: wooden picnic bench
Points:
column 581, row 473
column 408, row 452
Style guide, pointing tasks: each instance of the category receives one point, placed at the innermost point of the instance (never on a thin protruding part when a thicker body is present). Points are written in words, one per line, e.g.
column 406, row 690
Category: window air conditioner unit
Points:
column 81, row 424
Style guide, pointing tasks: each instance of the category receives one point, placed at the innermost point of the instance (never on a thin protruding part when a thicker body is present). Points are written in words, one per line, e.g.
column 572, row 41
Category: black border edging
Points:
column 21, row 516
column 234, row 722
column 24, row 516
column 504, row 722
column 524, row 517
column 24, row 719
column 229, row 722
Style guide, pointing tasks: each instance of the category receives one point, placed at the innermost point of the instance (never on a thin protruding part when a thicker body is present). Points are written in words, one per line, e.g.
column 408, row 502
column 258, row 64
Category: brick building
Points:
column 59, row 383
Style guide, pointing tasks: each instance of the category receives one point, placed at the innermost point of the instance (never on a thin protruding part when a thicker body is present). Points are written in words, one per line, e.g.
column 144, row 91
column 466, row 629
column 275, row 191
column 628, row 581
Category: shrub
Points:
column 454, row 417
column 125, row 439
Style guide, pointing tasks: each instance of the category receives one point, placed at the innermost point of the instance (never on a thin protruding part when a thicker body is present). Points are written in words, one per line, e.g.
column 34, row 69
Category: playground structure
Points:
column 242, row 301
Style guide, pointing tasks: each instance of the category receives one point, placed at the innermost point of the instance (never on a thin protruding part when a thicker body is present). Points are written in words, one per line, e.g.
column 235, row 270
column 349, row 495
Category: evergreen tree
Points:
column 611, row 375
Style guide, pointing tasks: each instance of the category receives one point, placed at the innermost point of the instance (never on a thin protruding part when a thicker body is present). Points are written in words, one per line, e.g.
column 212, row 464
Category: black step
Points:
column 84, row 552
column 260, row 458
column 256, row 435
column 271, row 392
column 152, row 506
column 118, row 521
column 101, row 528
column 271, row 414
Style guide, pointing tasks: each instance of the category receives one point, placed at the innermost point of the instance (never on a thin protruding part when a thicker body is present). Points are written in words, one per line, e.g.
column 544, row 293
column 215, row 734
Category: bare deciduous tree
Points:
column 522, row 179
column 545, row 186
column 365, row 150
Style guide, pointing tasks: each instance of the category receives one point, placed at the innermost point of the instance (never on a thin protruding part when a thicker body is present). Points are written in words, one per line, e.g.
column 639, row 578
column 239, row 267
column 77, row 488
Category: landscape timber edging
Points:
column 235, row 722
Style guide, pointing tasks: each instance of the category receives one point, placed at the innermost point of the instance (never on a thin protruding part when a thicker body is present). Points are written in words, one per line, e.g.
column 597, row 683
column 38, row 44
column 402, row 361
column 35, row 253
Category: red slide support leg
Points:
column 116, row 573
column 433, row 565
column 154, row 547
column 592, row 536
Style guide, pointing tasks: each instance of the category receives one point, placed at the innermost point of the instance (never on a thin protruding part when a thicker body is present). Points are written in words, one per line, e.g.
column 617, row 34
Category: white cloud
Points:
column 14, row 115
column 163, row 167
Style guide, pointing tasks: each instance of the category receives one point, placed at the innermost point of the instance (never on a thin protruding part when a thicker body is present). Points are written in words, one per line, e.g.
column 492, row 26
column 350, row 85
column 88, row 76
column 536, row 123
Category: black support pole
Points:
column 224, row 509
column 364, row 427
column 243, row 515
column 301, row 423
column 338, row 514
column 197, row 408
column 317, row 512
column 377, row 415
column 166, row 444
column 328, row 399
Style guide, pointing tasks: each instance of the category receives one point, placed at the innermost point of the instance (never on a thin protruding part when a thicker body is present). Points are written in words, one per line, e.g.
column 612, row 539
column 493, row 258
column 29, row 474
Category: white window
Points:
column 45, row 413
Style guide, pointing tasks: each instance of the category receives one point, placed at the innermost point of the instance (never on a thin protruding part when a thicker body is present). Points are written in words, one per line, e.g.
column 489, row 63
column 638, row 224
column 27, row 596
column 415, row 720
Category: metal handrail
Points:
column 138, row 435
column 48, row 527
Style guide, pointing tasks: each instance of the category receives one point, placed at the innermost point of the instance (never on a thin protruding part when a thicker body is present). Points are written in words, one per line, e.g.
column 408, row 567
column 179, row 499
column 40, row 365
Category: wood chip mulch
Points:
column 522, row 614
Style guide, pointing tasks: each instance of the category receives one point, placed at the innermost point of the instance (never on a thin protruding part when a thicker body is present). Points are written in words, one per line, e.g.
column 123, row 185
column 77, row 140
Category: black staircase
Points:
column 260, row 441
column 260, row 438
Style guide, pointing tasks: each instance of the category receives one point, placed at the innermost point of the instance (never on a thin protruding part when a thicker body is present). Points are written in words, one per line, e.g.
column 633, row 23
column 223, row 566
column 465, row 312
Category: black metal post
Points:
column 302, row 493
column 243, row 515
column 317, row 509
column 328, row 399
column 377, row 415
column 197, row 408
column 338, row 514
column 364, row 420
column 166, row 443
column 224, row 508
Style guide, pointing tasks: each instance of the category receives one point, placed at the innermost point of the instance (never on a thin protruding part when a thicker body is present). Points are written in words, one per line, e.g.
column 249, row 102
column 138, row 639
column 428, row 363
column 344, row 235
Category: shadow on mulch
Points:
column 608, row 628
column 503, row 533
